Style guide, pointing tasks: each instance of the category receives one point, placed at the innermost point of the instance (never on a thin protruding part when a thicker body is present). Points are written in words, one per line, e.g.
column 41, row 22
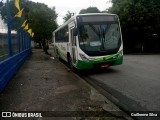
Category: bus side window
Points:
column 73, row 38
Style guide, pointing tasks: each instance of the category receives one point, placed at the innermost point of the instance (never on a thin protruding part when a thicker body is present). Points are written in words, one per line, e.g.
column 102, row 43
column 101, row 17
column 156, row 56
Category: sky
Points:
column 62, row 6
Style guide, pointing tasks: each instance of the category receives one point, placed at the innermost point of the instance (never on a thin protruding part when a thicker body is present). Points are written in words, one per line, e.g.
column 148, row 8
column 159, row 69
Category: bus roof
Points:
column 74, row 17
column 95, row 14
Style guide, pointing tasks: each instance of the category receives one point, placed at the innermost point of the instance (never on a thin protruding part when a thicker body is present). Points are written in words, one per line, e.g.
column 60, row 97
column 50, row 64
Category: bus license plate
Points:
column 104, row 66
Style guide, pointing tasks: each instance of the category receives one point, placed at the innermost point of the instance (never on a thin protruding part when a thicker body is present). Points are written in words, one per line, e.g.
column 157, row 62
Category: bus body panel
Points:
column 61, row 50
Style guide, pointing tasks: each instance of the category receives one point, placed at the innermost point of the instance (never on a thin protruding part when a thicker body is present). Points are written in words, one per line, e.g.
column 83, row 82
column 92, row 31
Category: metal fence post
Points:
column 22, row 38
column 29, row 41
column 9, row 30
column 19, row 37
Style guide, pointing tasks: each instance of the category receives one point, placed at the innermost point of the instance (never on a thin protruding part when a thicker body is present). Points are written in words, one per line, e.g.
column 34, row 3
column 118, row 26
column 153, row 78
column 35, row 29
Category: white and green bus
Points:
column 89, row 41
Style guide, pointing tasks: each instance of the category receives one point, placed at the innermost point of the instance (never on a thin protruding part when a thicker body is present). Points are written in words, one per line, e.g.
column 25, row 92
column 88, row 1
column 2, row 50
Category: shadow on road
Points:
column 97, row 71
column 94, row 71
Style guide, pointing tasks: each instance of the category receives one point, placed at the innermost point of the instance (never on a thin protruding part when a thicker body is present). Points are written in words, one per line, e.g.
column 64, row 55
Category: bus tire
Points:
column 57, row 53
column 70, row 63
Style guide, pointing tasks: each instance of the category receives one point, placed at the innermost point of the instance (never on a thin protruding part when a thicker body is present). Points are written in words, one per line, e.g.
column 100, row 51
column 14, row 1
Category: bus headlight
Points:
column 83, row 57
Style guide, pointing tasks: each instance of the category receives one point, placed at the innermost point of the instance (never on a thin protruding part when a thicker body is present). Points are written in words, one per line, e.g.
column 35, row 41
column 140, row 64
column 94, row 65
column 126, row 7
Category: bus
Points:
column 89, row 41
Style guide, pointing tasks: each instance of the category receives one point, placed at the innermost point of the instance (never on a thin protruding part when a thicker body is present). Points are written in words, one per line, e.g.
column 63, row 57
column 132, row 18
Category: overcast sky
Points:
column 62, row 6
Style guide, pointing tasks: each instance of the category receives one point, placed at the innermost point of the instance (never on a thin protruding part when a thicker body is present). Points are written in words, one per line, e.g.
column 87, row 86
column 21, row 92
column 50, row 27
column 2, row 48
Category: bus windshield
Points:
column 99, row 38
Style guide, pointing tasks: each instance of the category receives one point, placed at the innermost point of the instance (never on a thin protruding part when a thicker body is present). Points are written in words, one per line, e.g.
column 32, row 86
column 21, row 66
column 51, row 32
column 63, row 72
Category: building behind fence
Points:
column 15, row 47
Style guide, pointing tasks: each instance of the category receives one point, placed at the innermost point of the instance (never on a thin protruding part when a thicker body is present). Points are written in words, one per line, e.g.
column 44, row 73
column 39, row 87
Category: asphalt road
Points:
column 135, row 85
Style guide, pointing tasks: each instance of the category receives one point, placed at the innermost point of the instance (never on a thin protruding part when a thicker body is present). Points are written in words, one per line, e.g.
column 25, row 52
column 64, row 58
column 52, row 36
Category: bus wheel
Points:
column 70, row 63
column 57, row 53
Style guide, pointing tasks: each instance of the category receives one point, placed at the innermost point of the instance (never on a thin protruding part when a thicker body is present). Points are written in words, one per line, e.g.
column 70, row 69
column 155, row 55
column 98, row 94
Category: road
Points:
column 135, row 85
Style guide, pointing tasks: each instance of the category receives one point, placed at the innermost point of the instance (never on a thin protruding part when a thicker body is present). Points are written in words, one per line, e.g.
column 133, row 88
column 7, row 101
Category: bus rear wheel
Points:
column 70, row 63
column 57, row 53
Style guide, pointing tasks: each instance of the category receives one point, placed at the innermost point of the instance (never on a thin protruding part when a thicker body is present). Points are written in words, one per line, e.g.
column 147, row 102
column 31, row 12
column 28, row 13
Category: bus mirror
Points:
column 75, row 31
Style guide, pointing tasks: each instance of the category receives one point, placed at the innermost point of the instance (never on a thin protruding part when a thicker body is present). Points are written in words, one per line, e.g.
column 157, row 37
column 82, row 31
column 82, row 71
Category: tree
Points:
column 1, row 4
column 41, row 19
column 139, row 20
column 68, row 16
column 10, row 15
column 43, row 22
column 89, row 10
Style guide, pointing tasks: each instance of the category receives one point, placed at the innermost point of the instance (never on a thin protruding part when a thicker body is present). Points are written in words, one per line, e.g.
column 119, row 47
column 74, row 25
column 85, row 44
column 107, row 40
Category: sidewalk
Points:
column 45, row 84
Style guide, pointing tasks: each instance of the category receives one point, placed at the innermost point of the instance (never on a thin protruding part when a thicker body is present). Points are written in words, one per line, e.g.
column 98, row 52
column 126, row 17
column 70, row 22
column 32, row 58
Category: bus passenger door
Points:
column 73, row 46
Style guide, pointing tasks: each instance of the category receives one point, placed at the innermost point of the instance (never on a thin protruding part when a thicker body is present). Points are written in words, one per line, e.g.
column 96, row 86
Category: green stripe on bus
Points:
column 90, row 64
column 61, row 55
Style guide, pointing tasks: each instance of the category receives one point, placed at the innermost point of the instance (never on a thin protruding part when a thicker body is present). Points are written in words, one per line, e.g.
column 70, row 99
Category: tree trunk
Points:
column 45, row 47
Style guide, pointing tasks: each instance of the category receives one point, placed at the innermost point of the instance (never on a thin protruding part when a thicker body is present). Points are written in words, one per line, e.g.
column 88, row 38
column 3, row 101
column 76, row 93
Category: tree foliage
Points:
column 89, row 10
column 8, row 11
column 41, row 19
column 68, row 16
column 83, row 11
column 140, row 19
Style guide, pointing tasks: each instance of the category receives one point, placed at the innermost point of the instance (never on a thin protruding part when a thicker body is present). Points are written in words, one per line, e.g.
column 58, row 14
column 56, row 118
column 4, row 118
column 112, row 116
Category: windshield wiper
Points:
column 99, row 34
column 103, row 34
column 84, row 46
column 101, row 37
